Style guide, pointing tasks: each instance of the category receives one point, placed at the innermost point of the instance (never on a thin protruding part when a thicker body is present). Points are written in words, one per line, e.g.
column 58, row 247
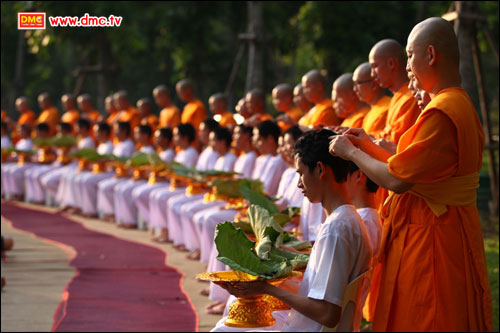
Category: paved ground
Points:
column 37, row 272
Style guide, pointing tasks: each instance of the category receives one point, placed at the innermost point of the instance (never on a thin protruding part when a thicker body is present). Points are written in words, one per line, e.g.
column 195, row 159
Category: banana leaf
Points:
column 63, row 141
column 18, row 151
column 257, row 198
column 236, row 251
column 267, row 231
column 42, row 142
column 138, row 159
column 85, row 153
column 156, row 162
column 232, row 187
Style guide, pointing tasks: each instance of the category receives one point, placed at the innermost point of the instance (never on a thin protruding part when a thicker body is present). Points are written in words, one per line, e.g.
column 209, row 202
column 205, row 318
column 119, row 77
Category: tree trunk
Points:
column 18, row 75
column 255, row 73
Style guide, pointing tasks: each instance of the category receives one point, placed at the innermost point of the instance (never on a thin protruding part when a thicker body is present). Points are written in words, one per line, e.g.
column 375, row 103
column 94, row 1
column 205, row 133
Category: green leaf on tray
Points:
column 267, row 231
column 63, row 141
column 138, row 159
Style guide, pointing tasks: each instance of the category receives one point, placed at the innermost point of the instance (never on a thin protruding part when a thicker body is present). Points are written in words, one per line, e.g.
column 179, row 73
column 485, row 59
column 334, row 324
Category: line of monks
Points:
column 410, row 131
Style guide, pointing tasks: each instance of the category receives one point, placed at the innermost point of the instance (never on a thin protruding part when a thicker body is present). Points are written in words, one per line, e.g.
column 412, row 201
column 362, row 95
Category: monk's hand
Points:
column 386, row 145
column 341, row 129
column 286, row 119
column 341, row 146
column 245, row 289
column 360, row 139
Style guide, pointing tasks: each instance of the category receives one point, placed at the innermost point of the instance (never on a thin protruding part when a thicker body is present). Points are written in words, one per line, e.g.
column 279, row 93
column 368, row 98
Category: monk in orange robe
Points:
column 218, row 106
column 111, row 111
column 84, row 102
column 346, row 102
column 71, row 115
column 145, row 106
column 434, row 274
column 283, row 103
column 194, row 111
column 50, row 114
column 387, row 60
column 27, row 116
column 322, row 113
column 126, row 112
column 371, row 93
column 300, row 100
column 170, row 115
column 256, row 106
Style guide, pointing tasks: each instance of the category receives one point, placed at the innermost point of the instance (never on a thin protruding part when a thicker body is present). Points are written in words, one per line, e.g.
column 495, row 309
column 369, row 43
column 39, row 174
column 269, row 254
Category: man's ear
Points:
column 321, row 169
column 431, row 55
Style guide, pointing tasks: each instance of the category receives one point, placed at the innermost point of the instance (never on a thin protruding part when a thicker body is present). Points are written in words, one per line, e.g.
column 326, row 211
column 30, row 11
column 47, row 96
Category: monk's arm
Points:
column 378, row 171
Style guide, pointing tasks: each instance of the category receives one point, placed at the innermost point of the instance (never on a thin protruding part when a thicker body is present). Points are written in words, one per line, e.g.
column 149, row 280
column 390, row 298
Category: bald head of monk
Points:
column 433, row 55
column 84, row 102
column 44, row 101
column 185, row 90
column 366, row 88
column 299, row 99
column 217, row 103
column 22, row 104
column 68, row 101
column 344, row 97
column 388, row 63
column 313, row 84
column 162, row 96
column 121, row 100
column 109, row 104
column 144, row 106
column 255, row 101
column 282, row 97
column 241, row 108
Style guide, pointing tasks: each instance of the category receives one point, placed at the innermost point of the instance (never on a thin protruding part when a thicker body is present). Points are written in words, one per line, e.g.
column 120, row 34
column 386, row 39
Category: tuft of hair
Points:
column 124, row 126
column 246, row 129
column 269, row 127
column 187, row 130
column 295, row 132
column 43, row 127
column 370, row 185
column 104, row 127
column 313, row 147
column 146, row 129
column 222, row 133
column 83, row 123
column 211, row 124
column 166, row 132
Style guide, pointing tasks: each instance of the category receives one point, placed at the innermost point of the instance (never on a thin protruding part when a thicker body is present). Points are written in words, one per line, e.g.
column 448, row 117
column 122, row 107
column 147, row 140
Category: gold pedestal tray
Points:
column 247, row 312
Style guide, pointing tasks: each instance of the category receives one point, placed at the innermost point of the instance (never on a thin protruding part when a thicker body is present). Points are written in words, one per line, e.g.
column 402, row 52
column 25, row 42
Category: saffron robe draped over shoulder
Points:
column 374, row 121
column 434, row 275
column 194, row 113
column 320, row 114
column 355, row 120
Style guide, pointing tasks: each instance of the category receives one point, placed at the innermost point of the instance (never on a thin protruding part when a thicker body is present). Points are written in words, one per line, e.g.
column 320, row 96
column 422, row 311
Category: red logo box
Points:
column 30, row 21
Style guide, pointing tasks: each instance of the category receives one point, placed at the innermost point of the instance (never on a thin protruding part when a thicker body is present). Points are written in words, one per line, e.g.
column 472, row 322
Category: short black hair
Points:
column 166, row 133
column 295, row 132
column 313, row 147
column 84, row 123
column 269, row 127
column 187, row 130
column 222, row 133
column 370, row 185
column 146, row 129
column 66, row 127
column 43, row 127
column 104, row 127
column 246, row 129
column 124, row 126
column 211, row 124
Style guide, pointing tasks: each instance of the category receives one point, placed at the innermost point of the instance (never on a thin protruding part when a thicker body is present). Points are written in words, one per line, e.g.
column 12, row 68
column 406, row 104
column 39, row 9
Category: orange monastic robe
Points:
column 151, row 120
column 375, row 119
column 320, row 114
column 194, row 113
column 70, row 116
column 112, row 118
column 50, row 116
column 170, row 117
column 355, row 120
column 4, row 115
column 130, row 115
column 402, row 114
column 27, row 117
column 434, row 275
column 93, row 115
column 295, row 113
column 226, row 119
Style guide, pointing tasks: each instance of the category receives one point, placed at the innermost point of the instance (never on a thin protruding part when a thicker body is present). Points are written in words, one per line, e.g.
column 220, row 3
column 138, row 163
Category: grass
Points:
column 492, row 261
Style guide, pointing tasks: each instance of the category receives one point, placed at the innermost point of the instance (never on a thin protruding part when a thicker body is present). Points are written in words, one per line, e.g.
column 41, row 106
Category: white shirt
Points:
column 373, row 225
column 187, row 157
column 285, row 182
column 24, row 144
column 340, row 254
column 311, row 217
column 167, row 155
column 207, row 159
column 87, row 142
column 105, row 148
column 271, row 174
column 244, row 164
column 260, row 164
column 226, row 162
column 6, row 143
column 124, row 148
column 147, row 149
column 292, row 195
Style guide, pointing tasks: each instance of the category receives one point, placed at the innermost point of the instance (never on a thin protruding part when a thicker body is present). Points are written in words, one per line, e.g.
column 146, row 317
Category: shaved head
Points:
column 345, row 99
column 161, row 90
column 84, row 98
column 313, row 84
column 161, row 95
column 388, row 62
column 22, row 104
column 44, row 100
column 255, row 101
column 217, row 103
column 282, row 97
column 389, row 48
column 343, row 83
column 362, row 72
column 185, row 90
column 121, row 100
column 366, row 88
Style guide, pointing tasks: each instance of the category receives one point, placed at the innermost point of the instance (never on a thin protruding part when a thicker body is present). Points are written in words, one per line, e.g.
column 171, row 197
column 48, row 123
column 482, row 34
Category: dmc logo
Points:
column 31, row 21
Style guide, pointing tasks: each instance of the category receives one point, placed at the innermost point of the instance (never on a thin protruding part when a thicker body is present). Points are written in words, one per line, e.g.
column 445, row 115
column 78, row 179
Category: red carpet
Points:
column 120, row 286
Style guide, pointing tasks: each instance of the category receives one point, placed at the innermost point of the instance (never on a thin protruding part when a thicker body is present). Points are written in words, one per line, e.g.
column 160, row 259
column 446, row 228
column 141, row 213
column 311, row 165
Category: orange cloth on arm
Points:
column 130, row 115
column 295, row 113
column 93, row 115
column 4, row 115
column 434, row 275
column 70, row 116
column 151, row 120
column 27, row 117
column 226, row 119
column 402, row 114
column 111, row 118
column 50, row 116
column 194, row 113
column 320, row 114
column 170, row 117
column 375, row 119
column 355, row 120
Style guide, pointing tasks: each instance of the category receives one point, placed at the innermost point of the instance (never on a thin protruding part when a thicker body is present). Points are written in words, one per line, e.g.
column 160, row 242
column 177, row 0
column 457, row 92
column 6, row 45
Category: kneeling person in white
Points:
column 340, row 254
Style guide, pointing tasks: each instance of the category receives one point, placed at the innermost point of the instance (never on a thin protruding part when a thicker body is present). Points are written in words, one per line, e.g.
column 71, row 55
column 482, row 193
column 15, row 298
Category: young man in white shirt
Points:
column 342, row 249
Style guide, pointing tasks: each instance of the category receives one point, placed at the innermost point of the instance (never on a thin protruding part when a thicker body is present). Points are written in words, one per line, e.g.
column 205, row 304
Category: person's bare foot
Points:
column 8, row 244
column 89, row 215
column 195, row 255
column 216, row 309
column 206, row 292
column 161, row 239
column 180, row 247
column 127, row 226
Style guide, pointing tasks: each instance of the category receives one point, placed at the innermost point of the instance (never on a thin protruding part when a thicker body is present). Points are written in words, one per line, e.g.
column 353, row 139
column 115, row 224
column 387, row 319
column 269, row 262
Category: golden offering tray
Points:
column 98, row 167
column 249, row 312
column 46, row 156
column 82, row 165
column 23, row 158
column 5, row 155
column 64, row 158
column 139, row 173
